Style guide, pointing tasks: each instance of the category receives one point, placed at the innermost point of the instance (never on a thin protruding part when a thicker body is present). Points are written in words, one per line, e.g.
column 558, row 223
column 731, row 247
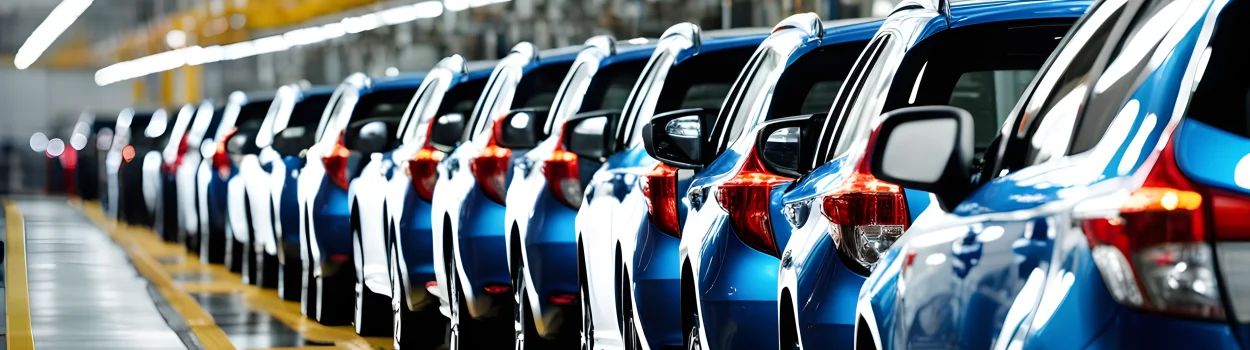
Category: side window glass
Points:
column 1221, row 97
column 839, row 113
column 1048, row 119
column 641, row 103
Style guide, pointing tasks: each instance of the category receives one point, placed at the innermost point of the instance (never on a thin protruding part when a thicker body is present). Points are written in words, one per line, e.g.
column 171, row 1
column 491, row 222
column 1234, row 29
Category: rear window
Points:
column 538, row 87
column 611, row 86
column 1220, row 99
column 702, row 81
column 387, row 106
column 251, row 116
column 950, row 68
column 809, row 85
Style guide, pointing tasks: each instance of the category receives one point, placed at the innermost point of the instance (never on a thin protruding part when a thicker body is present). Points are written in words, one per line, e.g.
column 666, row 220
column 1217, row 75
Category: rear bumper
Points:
column 1136, row 330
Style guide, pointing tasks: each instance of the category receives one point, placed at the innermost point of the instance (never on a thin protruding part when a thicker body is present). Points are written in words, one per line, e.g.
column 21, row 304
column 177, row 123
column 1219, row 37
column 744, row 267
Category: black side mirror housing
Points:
column 589, row 134
column 677, row 137
column 446, row 132
column 928, row 148
column 521, row 128
column 370, row 138
column 779, row 143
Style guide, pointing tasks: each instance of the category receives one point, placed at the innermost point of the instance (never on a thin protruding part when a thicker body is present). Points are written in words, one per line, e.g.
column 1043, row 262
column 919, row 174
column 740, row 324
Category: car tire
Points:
column 234, row 251
column 411, row 329
column 372, row 310
column 290, row 284
column 629, row 333
column 267, row 271
column 524, row 330
column 308, row 299
column 588, row 324
column 464, row 332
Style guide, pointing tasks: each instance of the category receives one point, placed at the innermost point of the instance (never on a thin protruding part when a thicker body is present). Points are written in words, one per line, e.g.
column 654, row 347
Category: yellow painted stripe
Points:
column 200, row 321
column 17, row 293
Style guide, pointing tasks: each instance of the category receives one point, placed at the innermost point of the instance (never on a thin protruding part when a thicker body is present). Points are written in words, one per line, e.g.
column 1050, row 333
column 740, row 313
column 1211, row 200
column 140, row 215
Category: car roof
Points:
column 319, row 90
column 401, row 81
column 848, row 30
column 969, row 12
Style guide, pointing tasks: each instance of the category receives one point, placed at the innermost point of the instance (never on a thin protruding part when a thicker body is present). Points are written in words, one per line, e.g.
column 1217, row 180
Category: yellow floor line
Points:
column 17, row 294
column 200, row 321
column 148, row 246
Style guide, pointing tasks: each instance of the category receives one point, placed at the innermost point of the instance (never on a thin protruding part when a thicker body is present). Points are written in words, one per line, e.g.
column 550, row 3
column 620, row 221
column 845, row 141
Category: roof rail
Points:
column 809, row 23
column 688, row 30
column 603, row 42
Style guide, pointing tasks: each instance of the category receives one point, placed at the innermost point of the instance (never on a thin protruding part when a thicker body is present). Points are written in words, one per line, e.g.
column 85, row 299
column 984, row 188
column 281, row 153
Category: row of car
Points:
column 996, row 173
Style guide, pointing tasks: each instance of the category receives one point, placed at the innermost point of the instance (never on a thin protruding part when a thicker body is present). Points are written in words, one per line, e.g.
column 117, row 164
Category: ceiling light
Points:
column 60, row 19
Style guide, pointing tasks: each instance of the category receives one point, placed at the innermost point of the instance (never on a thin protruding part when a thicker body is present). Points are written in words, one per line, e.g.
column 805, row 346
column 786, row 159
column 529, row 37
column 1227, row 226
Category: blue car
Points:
column 281, row 157
column 467, row 209
column 839, row 218
column 390, row 172
column 546, row 191
column 360, row 121
column 217, row 243
column 629, row 272
column 1109, row 211
column 728, row 249
column 408, row 191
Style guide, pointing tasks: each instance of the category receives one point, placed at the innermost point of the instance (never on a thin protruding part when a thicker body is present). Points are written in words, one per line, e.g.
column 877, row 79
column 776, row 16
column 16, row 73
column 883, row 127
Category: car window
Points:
column 1043, row 124
column 740, row 103
column 341, row 102
column 251, row 117
column 841, row 112
column 495, row 100
column 611, row 86
column 809, row 85
column 1220, row 99
column 640, row 105
column 413, row 118
column 538, row 87
column 698, row 82
column 570, row 94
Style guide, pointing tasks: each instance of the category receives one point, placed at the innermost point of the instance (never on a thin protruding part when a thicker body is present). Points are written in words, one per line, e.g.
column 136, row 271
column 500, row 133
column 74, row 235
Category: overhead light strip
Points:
column 60, row 19
column 196, row 55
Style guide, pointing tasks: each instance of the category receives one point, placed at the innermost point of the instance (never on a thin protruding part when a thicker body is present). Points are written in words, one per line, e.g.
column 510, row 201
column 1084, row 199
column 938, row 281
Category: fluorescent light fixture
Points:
column 195, row 55
column 60, row 19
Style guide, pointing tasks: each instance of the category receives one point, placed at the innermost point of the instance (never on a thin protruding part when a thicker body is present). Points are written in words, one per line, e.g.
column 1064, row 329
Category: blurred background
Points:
column 65, row 61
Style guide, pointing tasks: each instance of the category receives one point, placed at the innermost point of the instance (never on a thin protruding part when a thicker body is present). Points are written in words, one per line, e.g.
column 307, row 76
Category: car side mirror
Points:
column 446, row 132
column 590, row 134
column 522, row 128
column 370, row 138
column 928, row 148
column 676, row 138
column 779, row 143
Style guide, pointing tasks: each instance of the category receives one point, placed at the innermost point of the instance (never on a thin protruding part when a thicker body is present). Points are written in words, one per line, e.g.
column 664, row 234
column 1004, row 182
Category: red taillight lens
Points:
column 336, row 163
column 659, row 189
column 490, row 168
column 562, row 177
column 422, row 170
column 171, row 167
column 1152, row 250
column 746, row 198
column 221, row 159
column 865, row 217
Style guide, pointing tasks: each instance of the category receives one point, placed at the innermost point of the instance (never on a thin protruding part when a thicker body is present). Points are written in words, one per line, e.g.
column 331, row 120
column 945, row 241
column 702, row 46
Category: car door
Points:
column 1007, row 259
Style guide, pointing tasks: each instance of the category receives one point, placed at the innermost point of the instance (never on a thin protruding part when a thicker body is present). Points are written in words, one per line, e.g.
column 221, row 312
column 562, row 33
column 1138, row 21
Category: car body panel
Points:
column 1011, row 266
column 459, row 206
column 534, row 217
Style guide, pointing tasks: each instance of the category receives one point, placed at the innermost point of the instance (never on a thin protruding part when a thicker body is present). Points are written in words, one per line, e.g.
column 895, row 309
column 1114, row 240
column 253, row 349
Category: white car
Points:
column 207, row 116
column 247, row 229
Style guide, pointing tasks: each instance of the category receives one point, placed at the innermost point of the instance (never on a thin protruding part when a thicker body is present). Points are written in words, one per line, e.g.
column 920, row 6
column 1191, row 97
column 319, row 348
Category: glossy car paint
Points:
column 167, row 212
column 1011, row 267
column 534, row 218
column 326, row 246
column 242, row 197
column 212, row 187
column 734, row 284
column 282, row 170
column 465, row 219
column 616, row 236
column 205, row 123
column 407, row 215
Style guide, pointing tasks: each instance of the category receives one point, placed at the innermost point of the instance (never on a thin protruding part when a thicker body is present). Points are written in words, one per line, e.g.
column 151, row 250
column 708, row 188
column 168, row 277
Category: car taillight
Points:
column 866, row 215
column 659, row 189
column 336, row 163
column 490, row 168
column 221, row 159
column 562, row 175
column 1151, row 246
column 745, row 197
column 172, row 166
column 422, row 170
